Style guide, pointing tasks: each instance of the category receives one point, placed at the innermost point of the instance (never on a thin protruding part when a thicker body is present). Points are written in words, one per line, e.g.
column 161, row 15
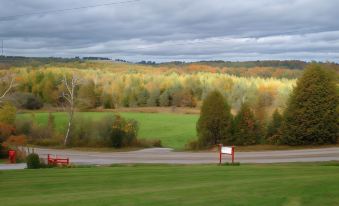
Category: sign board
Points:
column 226, row 150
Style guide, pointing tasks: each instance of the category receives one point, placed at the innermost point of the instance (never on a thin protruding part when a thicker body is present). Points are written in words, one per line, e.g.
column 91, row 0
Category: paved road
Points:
column 167, row 156
column 13, row 166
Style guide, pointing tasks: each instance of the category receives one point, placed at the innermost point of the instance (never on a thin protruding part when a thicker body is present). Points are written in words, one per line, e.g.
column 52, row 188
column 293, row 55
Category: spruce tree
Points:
column 273, row 128
column 215, row 120
column 311, row 116
column 246, row 129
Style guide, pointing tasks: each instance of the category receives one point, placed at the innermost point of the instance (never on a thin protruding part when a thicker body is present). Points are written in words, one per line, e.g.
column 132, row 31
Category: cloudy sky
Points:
column 167, row 30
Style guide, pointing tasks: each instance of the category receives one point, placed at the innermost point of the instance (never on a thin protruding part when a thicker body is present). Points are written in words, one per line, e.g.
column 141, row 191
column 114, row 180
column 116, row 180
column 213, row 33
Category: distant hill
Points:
column 9, row 61
column 288, row 64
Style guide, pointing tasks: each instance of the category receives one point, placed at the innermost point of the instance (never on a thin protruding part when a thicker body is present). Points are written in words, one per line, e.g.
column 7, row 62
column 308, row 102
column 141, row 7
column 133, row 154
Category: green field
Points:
column 174, row 130
column 289, row 184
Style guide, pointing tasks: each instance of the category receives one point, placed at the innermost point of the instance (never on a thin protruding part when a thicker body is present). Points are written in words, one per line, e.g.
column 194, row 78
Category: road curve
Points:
column 167, row 156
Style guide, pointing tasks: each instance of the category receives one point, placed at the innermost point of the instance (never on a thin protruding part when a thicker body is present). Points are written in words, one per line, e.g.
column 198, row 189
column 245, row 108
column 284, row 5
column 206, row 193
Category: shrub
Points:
column 21, row 155
column 156, row 143
column 24, row 126
column 32, row 103
column 3, row 151
column 6, row 130
column 104, row 128
column 274, row 139
column 55, row 140
column 44, row 135
column 26, row 101
column 7, row 114
column 16, row 141
column 124, row 132
column 109, row 131
column 40, row 132
column 148, row 143
column 33, row 161
column 82, row 132
column 193, row 145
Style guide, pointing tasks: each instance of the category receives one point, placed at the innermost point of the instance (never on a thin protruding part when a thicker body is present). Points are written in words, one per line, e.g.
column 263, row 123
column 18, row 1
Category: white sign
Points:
column 226, row 150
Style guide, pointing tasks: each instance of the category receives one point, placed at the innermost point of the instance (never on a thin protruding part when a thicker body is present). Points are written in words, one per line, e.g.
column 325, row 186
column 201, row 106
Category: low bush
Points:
column 82, row 132
column 33, row 161
column 24, row 126
column 192, row 145
column 197, row 145
column 156, row 143
column 6, row 130
column 43, row 135
column 3, row 151
column 124, row 132
column 274, row 140
column 54, row 141
column 39, row 132
column 148, row 143
column 21, row 155
column 33, row 103
column 110, row 131
column 26, row 101
column 16, row 140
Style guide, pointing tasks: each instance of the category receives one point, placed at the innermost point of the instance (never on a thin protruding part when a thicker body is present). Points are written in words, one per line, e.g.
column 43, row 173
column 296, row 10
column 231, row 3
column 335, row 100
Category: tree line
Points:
column 106, row 88
column 310, row 116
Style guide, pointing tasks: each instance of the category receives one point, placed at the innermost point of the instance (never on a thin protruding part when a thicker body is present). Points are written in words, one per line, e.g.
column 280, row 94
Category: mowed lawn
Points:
column 290, row 184
column 174, row 130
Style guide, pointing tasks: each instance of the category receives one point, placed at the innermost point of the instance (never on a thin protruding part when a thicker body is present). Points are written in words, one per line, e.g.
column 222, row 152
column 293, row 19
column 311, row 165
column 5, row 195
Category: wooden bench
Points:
column 56, row 160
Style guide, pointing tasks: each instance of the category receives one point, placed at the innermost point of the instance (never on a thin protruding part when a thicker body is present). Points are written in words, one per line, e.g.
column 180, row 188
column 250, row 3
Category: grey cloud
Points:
column 175, row 30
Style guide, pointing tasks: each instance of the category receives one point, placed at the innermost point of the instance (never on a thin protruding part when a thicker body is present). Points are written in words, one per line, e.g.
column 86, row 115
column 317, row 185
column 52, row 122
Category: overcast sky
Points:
column 167, row 30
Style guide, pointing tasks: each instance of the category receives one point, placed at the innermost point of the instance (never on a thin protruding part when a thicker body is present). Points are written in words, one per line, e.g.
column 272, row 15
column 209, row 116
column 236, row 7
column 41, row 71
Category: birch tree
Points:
column 8, row 81
column 69, row 95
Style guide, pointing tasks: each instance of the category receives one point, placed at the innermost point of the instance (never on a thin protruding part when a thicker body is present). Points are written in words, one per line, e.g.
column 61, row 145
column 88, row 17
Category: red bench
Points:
column 56, row 160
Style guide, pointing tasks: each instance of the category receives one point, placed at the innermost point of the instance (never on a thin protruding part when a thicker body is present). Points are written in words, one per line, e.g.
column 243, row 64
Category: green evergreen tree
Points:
column 273, row 129
column 311, row 116
column 246, row 130
column 215, row 120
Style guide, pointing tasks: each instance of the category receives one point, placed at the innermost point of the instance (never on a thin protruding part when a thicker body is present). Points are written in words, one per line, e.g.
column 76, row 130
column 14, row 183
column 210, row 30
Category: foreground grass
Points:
column 287, row 184
column 174, row 130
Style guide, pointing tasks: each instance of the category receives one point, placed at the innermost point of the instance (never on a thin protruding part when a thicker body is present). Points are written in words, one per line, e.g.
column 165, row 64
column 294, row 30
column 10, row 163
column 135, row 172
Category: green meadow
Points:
column 174, row 130
column 280, row 184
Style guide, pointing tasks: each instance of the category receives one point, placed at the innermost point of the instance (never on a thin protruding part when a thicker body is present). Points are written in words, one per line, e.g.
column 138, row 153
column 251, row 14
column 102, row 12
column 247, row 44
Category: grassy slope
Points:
column 305, row 184
column 174, row 130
